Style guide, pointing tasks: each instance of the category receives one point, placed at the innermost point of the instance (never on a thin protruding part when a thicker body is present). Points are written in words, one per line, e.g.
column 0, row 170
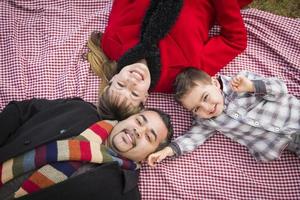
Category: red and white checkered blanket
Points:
column 41, row 48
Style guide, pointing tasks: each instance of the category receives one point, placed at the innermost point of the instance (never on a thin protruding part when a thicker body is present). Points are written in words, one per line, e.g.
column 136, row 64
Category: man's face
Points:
column 132, row 83
column 138, row 136
column 204, row 100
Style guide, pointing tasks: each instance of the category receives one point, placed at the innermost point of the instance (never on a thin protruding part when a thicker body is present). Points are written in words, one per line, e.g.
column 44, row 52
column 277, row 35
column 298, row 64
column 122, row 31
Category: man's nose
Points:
column 140, row 131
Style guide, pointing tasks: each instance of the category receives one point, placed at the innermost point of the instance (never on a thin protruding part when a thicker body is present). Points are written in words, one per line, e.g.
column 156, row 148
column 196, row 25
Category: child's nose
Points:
column 206, row 107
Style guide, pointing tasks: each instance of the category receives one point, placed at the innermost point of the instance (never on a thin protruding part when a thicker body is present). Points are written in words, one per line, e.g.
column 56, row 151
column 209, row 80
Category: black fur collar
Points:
column 158, row 20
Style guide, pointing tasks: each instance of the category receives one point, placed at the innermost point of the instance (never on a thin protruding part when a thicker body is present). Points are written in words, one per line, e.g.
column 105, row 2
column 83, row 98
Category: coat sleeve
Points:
column 188, row 142
column 221, row 49
column 270, row 88
column 16, row 113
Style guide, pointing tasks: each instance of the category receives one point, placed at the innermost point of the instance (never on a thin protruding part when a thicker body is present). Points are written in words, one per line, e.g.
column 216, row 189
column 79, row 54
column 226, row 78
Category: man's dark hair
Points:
column 188, row 79
column 167, row 121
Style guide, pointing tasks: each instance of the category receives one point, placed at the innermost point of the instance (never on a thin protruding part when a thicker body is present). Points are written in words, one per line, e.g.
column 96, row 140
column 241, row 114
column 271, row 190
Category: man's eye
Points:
column 138, row 122
column 205, row 98
column 148, row 138
column 120, row 84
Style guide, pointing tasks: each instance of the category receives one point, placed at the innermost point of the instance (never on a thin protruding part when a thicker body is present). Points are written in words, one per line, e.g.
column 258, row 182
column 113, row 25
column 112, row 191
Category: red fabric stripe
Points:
column 40, row 157
column 100, row 131
column 30, row 187
column 85, row 149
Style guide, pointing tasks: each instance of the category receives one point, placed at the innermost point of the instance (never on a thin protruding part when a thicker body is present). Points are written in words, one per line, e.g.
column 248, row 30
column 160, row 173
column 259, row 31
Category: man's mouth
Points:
column 129, row 137
column 124, row 141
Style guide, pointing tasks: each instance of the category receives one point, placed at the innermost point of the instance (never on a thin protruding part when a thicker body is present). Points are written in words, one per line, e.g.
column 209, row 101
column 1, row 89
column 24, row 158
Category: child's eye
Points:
column 205, row 98
column 196, row 109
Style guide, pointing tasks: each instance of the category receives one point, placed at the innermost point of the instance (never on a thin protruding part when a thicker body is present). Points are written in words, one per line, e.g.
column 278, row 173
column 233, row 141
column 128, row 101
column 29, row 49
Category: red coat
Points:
column 187, row 44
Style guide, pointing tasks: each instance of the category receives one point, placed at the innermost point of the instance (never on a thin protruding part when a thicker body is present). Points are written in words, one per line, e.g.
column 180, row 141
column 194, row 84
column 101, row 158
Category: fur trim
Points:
column 159, row 19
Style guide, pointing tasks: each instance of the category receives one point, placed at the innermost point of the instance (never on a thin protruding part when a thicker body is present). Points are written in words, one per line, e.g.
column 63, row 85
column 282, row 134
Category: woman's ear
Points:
column 215, row 82
column 145, row 99
column 112, row 78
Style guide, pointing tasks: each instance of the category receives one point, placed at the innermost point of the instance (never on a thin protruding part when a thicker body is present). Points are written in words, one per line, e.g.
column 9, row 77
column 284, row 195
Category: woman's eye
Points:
column 120, row 84
column 196, row 109
column 134, row 94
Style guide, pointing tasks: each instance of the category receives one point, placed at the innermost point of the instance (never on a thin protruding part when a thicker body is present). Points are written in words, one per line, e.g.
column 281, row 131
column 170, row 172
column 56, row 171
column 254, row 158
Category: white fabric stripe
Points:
column 63, row 152
column 96, row 153
column 7, row 171
column 20, row 193
column 53, row 174
column 91, row 136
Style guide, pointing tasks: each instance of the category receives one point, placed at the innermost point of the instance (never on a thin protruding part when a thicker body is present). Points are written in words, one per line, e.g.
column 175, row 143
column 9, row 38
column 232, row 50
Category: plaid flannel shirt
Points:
column 263, row 121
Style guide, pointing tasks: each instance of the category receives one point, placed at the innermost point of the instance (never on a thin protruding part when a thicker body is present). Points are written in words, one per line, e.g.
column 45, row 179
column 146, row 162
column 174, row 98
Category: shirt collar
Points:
column 225, row 86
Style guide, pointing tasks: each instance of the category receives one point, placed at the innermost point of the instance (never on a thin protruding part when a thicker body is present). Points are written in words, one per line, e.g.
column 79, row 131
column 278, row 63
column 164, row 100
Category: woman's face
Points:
column 132, row 83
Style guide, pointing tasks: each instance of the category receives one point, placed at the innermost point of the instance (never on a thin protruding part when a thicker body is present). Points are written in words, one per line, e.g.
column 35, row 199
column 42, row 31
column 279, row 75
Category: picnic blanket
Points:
column 42, row 44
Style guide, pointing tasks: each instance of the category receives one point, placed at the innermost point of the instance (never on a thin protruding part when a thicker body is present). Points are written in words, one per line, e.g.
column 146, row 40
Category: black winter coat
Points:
column 27, row 124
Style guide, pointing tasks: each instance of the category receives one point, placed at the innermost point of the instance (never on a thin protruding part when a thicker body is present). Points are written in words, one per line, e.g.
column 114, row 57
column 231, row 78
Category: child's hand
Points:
column 159, row 156
column 241, row 84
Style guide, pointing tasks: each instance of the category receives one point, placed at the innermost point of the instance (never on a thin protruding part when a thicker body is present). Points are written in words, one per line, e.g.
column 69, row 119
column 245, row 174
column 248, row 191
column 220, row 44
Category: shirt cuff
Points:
column 174, row 146
column 259, row 86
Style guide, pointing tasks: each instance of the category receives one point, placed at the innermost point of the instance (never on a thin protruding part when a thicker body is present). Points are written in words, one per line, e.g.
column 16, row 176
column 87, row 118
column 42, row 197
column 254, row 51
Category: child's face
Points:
column 204, row 100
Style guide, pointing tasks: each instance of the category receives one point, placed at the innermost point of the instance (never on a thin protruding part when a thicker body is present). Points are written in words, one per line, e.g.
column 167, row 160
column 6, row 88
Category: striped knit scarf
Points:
column 71, row 154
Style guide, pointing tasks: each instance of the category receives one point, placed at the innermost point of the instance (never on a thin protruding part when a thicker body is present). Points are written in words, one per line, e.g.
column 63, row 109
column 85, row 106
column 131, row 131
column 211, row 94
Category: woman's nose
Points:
column 131, row 83
column 132, row 80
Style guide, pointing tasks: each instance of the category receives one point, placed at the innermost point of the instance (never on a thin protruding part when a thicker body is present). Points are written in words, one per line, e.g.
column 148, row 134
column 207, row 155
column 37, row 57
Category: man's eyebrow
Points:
column 152, row 131
column 155, row 135
column 144, row 118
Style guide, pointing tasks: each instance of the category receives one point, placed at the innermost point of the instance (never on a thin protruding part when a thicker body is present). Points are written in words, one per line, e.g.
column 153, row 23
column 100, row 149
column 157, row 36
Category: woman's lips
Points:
column 138, row 74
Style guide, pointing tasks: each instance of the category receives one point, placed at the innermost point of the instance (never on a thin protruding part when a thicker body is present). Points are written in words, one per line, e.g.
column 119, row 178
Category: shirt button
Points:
column 62, row 131
column 276, row 129
column 26, row 142
column 256, row 123
column 236, row 115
